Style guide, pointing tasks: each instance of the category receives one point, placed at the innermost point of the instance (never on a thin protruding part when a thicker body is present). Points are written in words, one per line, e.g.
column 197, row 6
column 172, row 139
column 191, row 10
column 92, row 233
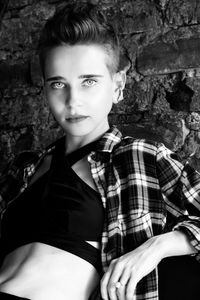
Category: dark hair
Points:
column 79, row 23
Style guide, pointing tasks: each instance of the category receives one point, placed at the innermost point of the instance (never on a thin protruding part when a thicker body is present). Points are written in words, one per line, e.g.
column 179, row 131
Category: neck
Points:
column 73, row 143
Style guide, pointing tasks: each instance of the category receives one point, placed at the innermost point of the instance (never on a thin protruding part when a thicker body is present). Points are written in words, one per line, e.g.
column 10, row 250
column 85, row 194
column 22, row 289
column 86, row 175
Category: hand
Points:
column 129, row 269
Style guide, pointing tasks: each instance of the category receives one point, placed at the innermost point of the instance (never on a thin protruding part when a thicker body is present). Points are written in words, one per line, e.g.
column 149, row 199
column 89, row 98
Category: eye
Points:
column 57, row 85
column 89, row 82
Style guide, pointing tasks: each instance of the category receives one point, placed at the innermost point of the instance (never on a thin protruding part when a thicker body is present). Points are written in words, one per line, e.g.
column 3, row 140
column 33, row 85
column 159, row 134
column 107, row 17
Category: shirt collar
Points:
column 108, row 141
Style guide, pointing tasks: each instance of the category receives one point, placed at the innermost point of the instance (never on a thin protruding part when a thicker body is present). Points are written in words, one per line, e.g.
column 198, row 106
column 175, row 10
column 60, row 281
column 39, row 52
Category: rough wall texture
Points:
column 162, row 38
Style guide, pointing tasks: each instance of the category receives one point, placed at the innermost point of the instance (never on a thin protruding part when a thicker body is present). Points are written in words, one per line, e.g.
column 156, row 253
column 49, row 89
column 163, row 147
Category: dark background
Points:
column 162, row 96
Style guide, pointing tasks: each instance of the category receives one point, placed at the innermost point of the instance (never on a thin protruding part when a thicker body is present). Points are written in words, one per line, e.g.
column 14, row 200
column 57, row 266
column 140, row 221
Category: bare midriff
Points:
column 38, row 271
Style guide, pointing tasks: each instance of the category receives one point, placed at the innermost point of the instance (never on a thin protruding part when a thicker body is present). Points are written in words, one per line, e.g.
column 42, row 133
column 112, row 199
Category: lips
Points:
column 76, row 118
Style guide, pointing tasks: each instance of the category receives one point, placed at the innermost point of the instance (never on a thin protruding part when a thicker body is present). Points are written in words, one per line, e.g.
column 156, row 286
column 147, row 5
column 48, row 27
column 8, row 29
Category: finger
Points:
column 103, row 286
column 126, row 274
column 117, row 270
column 112, row 292
column 105, row 280
column 112, row 287
column 131, row 288
column 121, row 291
column 121, row 274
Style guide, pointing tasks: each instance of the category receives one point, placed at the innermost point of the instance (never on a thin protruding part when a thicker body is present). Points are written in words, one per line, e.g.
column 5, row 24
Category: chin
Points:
column 79, row 132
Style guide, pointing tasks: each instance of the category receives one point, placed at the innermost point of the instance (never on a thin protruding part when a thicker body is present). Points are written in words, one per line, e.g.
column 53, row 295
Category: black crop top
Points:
column 59, row 209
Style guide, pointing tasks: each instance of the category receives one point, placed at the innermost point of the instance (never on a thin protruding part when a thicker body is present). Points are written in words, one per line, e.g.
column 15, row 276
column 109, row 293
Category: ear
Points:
column 119, row 85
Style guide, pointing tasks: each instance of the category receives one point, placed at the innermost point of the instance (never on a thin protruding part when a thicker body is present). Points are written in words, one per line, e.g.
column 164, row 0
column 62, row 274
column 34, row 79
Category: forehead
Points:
column 76, row 59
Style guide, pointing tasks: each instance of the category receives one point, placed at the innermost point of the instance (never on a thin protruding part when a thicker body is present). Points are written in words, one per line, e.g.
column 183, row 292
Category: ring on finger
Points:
column 118, row 285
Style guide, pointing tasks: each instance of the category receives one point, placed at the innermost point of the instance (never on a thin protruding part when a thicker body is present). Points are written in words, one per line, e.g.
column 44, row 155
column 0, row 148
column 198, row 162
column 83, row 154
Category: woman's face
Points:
column 80, row 89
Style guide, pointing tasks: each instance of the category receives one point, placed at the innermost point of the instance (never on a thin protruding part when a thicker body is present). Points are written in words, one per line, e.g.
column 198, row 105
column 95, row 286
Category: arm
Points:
column 16, row 174
column 174, row 243
column 130, row 268
column 181, row 192
column 180, row 186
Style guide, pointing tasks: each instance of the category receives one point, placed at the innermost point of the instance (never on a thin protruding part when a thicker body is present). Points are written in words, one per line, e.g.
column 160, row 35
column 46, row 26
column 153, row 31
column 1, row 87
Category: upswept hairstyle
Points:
column 80, row 23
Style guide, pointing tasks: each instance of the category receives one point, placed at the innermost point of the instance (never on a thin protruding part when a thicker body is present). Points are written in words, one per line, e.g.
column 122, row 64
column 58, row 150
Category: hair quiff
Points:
column 80, row 23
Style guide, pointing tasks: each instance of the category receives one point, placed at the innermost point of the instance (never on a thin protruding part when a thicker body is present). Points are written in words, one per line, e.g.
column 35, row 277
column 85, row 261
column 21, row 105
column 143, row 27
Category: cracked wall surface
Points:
column 162, row 96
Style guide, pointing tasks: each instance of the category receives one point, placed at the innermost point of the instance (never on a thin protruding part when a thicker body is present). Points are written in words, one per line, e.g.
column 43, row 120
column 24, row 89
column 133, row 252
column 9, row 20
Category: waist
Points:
column 40, row 271
column 87, row 250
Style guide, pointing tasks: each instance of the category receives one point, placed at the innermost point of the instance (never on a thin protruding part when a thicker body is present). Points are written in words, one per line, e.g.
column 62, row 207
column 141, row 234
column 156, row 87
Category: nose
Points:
column 73, row 98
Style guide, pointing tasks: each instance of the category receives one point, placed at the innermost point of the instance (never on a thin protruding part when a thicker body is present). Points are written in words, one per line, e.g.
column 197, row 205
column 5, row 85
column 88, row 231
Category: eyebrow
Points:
column 81, row 77
column 90, row 76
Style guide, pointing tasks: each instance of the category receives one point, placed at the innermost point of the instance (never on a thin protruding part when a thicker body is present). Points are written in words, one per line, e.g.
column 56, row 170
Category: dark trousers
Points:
column 179, row 278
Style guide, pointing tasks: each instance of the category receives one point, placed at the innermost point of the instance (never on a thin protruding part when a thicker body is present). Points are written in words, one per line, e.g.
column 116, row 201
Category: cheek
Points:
column 101, row 100
column 107, row 92
column 109, row 96
column 55, row 106
column 54, row 101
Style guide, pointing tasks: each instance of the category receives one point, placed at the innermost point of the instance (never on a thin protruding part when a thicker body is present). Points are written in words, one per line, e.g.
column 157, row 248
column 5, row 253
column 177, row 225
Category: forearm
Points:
column 174, row 243
column 131, row 267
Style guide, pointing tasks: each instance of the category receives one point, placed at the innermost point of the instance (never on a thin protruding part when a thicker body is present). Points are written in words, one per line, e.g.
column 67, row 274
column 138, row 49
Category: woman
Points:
column 93, row 202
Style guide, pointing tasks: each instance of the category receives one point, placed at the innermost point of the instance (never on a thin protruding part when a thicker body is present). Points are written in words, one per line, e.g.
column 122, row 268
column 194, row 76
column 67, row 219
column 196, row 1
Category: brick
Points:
column 193, row 121
column 3, row 8
column 182, row 12
column 160, row 134
column 181, row 96
column 19, row 4
column 191, row 145
column 35, row 71
column 139, row 16
column 164, row 58
column 192, row 81
column 13, row 74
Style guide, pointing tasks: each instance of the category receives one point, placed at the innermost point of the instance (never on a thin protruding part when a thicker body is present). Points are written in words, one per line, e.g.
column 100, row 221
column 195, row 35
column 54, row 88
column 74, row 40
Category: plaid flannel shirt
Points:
column 145, row 191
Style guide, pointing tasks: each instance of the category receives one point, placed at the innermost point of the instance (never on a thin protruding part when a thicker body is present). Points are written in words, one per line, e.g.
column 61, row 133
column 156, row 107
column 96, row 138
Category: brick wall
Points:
column 162, row 96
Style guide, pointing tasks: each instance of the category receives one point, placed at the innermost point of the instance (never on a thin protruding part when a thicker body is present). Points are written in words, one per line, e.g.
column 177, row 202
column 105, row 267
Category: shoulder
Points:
column 129, row 144
column 135, row 153
column 147, row 153
column 28, row 159
column 25, row 158
column 21, row 169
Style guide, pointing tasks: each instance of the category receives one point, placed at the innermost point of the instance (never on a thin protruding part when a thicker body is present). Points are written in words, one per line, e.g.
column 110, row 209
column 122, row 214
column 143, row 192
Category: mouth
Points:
column 76, row 118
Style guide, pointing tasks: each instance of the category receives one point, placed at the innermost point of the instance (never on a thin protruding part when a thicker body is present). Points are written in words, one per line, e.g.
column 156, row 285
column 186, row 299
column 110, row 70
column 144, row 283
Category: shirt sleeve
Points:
column 10, row 182
column 15, row 176
column 180, row 186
